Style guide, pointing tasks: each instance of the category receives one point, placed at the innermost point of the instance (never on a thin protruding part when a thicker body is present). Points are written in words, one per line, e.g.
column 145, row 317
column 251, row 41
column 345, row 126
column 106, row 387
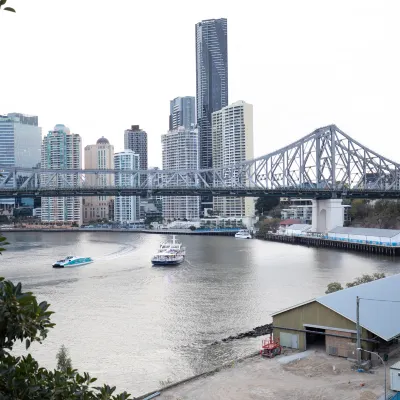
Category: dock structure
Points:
column 315, row 241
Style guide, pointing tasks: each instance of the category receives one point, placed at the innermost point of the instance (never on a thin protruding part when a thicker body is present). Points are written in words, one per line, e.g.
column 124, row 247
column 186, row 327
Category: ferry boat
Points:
column 72, row 261
column 173, row 245
column 243, row 234
column 169, row 253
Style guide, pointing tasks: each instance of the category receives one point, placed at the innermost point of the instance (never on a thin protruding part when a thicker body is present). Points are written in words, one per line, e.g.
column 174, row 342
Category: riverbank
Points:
column 203, row 232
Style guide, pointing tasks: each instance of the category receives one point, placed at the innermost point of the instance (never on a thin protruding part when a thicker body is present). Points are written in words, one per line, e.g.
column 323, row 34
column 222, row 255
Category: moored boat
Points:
column 243, row 234
column 72, row 261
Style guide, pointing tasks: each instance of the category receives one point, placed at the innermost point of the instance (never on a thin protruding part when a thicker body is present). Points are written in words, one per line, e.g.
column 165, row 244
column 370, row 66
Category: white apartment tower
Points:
column 126, row 208
column 61, row 149
column 232, row 142
column 99, row 156
column 180, row 149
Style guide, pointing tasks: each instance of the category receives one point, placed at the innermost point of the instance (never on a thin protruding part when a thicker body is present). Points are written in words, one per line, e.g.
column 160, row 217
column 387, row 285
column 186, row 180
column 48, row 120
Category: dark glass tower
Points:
column 135, row 139
column 211, row 84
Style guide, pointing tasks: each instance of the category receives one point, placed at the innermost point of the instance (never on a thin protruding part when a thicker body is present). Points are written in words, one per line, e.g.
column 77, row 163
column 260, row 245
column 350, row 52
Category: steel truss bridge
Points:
column 322, row 165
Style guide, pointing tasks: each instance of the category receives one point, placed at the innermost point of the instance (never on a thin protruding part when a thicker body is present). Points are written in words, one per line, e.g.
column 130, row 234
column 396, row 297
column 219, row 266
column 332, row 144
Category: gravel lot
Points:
column 316, row 377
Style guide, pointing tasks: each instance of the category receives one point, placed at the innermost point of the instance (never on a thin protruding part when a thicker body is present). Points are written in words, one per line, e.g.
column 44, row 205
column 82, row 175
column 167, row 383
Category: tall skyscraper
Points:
column 61, row 149
column 126, row 208
column 20, row 145
column 232, row 142
column 135, row 139
column 182, row 113
column 180, row 151
column 211, row 84
column 99, row 156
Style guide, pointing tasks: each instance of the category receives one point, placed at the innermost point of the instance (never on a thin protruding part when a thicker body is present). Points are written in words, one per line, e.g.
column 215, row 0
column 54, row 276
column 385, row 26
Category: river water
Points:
column 134, row 326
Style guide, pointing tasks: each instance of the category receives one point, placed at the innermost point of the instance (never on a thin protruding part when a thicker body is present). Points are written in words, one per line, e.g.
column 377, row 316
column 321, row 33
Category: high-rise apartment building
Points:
column 61, row 149
column 182, row 113
column 179, row 152
column 126, row 208
column 20, row 145
column 232, row 142
column 211, row 84
column 99, row 156
column 135, row 139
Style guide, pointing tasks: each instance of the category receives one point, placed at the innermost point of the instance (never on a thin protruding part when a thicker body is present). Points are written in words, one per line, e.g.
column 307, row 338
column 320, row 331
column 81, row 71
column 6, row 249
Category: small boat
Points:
column 243, row 234
column 72, row 261
column 170, row 253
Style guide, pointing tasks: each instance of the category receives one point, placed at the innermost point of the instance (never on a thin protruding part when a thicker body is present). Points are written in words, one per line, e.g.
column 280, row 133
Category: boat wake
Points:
column 121, row 252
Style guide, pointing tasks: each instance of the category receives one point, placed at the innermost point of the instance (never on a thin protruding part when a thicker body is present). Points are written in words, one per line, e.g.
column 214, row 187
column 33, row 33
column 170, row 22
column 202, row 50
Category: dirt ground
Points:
column 317, row 377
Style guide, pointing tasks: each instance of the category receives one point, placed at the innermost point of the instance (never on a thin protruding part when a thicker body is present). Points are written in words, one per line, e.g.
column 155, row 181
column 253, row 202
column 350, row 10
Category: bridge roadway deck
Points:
column 307, row 193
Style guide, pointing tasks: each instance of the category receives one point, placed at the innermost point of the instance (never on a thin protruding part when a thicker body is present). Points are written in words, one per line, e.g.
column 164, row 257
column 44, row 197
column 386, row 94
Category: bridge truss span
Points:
column 324, row 164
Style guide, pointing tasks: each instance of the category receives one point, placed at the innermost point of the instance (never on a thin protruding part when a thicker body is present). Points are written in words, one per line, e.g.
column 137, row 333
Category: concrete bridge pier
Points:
column 327, row 214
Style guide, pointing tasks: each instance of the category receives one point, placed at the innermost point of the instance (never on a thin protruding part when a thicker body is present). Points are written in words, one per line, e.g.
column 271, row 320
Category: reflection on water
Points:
column 133, row 325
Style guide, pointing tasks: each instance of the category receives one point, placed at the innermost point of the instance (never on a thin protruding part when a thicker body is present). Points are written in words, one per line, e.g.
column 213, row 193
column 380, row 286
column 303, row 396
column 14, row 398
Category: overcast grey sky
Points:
column 100, row 66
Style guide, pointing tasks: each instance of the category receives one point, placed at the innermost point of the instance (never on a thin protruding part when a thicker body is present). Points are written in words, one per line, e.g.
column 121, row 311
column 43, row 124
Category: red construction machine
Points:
column 270, row 347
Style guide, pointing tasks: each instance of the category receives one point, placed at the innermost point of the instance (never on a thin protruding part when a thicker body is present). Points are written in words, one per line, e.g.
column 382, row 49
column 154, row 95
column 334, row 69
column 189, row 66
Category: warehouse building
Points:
column 330, row 320
column 374, row 236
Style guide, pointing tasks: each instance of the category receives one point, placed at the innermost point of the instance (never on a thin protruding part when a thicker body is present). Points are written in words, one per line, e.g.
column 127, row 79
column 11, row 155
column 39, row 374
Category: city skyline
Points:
column 277, row 62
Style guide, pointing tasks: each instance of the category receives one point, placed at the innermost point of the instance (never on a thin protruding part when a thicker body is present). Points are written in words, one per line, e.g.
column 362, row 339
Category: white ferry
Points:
column 174, row 245
column 169, row 253
column 243, row 234
column 72, row 261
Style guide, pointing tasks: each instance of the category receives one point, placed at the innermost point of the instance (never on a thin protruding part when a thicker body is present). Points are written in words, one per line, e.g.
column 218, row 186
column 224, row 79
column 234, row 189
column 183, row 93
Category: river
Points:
column 133, row 325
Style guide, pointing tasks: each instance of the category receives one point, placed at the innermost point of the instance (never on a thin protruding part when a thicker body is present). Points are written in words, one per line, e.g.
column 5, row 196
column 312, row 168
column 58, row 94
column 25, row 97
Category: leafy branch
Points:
column 2, row 3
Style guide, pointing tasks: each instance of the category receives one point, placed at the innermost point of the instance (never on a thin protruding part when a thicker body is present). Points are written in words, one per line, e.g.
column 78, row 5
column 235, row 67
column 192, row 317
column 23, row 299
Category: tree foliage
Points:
column 269, row 224
column 335, row 286
column 380, row 214
column 266, row 204
column 365, row 279
column 23, row 319
column 64, row 362
column 3, row 242
column 3, row 3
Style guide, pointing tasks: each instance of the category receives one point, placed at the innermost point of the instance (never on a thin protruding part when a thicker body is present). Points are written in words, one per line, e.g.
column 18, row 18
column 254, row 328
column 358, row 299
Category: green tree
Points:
column 64, row 362
column 269, row 224
column 3, row 242
column 365, row 279
column 192, row 227
column 2, row 4
column 335, row 286
column 265, row 204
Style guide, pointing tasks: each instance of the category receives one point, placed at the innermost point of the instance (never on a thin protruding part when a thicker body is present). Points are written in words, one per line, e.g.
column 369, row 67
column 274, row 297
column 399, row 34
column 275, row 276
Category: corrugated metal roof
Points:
column 290, row 221
column 299, row 227
column 395, row 365
column 366, row 231
column 379, row 317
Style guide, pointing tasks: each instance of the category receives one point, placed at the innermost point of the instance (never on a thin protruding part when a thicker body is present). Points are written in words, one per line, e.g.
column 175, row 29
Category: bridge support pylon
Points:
column 327, row 214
